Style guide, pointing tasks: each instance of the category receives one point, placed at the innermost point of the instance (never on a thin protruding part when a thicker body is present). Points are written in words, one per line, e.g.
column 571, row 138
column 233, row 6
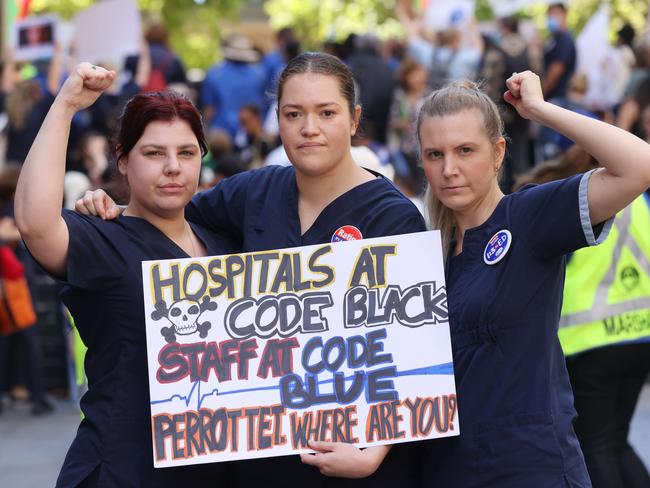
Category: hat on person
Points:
column 237, row 47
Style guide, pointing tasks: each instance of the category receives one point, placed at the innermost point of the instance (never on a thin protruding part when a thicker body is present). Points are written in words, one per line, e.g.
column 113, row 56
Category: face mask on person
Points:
column 553, row 24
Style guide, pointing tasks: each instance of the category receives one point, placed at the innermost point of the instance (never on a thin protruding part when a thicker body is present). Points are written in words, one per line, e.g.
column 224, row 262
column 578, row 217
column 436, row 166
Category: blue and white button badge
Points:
column 497, row 247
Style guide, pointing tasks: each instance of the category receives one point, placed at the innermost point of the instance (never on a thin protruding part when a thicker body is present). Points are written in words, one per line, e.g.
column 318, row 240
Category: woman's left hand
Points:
column 344, row 460
column 524, row 93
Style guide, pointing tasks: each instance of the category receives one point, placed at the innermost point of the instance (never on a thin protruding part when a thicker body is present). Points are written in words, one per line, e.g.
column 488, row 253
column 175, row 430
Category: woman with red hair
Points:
column 159, row 149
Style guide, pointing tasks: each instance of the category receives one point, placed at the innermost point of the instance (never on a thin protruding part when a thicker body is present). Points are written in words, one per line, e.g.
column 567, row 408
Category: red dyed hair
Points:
column 145, row 108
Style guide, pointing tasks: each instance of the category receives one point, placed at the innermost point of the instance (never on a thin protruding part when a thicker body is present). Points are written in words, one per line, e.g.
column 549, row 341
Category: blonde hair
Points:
column 20, row 101
column 449, row 100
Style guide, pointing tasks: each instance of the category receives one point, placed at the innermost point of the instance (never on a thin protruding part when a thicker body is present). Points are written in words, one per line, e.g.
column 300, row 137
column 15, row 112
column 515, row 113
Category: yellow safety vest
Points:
column 607, row 287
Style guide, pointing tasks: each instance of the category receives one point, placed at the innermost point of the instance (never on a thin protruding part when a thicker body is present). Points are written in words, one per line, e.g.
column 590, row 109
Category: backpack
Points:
column 513, row 63
column 16, row 309
column 438, row 73
column 157, row 79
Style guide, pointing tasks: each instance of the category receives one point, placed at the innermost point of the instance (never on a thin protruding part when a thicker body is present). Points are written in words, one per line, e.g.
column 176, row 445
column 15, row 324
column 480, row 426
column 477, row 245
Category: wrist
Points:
column 63, row 108
column 539, row 110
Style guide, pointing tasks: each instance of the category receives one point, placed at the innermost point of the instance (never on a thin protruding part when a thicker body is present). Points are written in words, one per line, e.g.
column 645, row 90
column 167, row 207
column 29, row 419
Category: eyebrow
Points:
column 158, row 146
column 319, row 105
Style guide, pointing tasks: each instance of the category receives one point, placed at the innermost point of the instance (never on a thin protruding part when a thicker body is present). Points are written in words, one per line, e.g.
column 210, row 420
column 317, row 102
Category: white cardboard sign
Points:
column 34, row 37
column 252, row 355
column 107, row 31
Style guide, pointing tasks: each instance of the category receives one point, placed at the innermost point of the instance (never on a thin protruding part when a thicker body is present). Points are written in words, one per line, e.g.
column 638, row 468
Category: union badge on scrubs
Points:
column 347, row 233
column 497, row 247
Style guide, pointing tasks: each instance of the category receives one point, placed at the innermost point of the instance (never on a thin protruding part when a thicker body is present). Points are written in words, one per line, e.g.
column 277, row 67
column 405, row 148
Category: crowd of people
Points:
column 411, row 111
column 393, row 77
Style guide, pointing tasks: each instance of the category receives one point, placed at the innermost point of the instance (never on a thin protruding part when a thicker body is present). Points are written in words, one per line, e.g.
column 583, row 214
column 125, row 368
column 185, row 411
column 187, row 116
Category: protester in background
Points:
column 20, row 352
column 159, row 151
column 375, row 82
column 221, row 161
column 504, row 276
column 559, row 66
column 166, row 66
column 578, row 87
column 287, row 47
column 606, row 292
column 506, row 52
column 304, row 204
column 453, row 53
column 645, row 124
column 26, row 103
column 637, row 93
column 559, row 54
column 407, row 100
column 237, row 81
column 394, row 52
column 619, row 65
column 252, row 143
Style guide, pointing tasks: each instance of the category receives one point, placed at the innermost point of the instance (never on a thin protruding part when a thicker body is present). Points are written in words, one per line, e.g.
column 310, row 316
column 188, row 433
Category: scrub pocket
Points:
column 518, row 447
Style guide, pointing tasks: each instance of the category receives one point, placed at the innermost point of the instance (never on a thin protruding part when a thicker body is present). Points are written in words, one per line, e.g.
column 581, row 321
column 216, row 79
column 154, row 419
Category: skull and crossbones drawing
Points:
column 185, row 317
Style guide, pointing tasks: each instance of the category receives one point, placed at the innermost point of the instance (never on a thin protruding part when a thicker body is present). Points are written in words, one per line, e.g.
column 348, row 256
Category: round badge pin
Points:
column 497, row 247
column 347, row 233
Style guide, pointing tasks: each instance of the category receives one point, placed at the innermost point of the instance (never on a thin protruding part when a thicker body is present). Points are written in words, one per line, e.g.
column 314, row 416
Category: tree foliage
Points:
column 193, row 26
column 318, row 20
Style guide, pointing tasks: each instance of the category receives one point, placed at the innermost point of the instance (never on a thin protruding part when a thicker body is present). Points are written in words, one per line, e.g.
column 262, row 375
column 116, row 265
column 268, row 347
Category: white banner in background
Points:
column 443, row 14
column 107, row 32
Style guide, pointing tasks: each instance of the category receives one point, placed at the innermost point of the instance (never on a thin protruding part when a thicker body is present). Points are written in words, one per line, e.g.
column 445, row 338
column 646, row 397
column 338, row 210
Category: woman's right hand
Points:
column 98, row 203
column 84, row 86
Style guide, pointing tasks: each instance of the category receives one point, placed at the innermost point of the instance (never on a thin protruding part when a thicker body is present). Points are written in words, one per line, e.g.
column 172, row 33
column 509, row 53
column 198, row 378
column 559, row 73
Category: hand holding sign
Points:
column 344, row 460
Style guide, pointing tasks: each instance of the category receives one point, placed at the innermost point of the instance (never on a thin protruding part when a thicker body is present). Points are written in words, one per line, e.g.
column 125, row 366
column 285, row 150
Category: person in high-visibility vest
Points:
column 605, row 334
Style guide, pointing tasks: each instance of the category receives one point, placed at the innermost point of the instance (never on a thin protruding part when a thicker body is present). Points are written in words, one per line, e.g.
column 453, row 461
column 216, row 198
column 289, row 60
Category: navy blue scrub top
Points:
column 104, row 295
column 259, row 208
column 515, row 402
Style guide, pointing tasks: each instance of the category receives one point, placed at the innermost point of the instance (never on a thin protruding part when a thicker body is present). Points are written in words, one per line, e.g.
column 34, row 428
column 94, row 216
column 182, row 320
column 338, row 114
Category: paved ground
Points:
column 32, row 448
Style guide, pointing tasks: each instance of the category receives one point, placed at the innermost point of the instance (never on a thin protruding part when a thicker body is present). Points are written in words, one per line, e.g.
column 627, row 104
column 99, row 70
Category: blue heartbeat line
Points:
column 437, row 369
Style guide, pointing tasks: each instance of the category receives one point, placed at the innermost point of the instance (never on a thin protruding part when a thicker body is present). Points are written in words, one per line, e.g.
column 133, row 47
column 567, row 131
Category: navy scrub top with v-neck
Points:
column 260, row 208
column 515, row 402
column 104, row 295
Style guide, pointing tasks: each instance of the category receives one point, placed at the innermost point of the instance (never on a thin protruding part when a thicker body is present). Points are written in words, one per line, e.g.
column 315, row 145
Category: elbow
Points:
column 27, row 223
column 25, row 229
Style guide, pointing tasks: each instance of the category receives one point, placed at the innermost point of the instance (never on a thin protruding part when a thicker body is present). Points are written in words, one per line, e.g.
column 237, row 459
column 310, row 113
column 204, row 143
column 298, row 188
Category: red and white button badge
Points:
column 347, row 233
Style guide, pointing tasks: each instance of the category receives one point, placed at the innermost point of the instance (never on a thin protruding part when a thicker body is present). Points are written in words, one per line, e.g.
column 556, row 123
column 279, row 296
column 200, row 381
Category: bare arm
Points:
column 625, row 157
column 54, row 70
column 40, row 187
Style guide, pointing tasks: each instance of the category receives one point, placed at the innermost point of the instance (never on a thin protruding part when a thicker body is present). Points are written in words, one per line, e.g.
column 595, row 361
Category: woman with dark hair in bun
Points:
column 159, row 150
column 324, row 196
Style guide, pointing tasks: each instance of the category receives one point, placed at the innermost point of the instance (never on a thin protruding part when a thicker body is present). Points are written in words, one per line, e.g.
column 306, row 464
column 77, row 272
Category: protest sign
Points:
column 252, row 355
column 34, row 37
column 445, row 14
column 107, row 32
